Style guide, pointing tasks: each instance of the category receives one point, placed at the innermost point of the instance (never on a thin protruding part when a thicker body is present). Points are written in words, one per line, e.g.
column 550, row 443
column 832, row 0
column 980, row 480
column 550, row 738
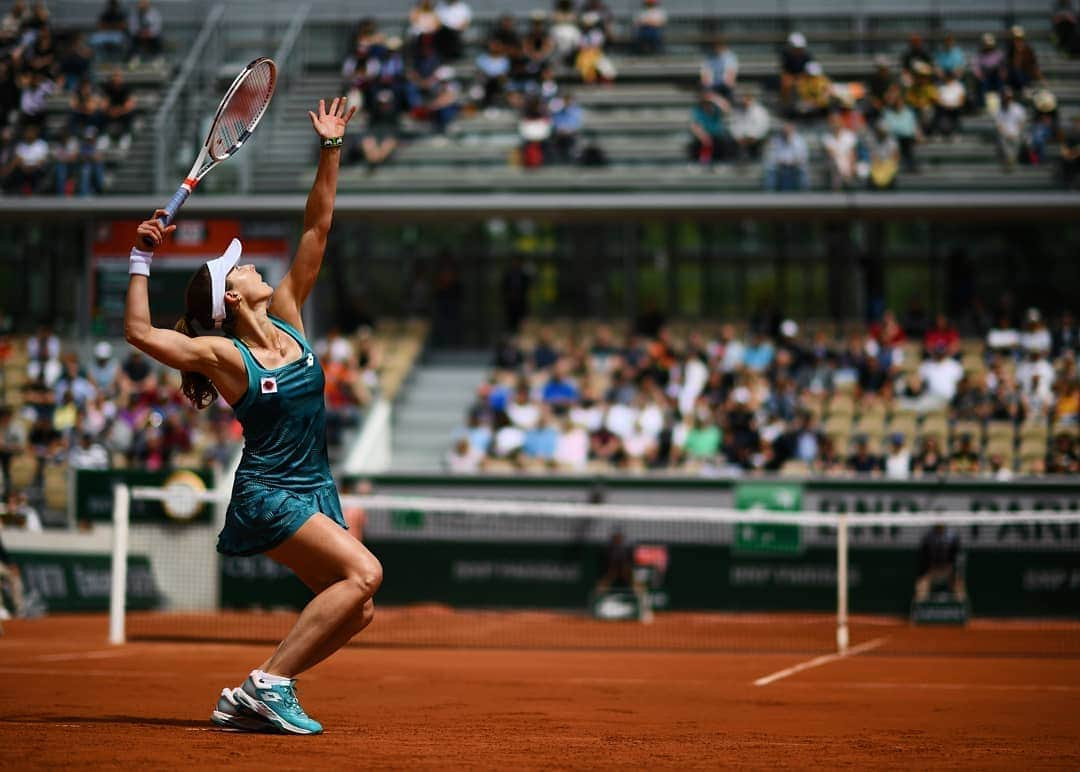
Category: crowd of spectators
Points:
column 893, row 399
column 39, row 64
column 870, row 129
column 516, row 68
column 107, row 410
column 874, row 127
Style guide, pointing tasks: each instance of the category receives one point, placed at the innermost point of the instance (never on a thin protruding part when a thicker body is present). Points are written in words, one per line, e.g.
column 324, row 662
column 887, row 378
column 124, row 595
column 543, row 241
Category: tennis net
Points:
column 510, row 573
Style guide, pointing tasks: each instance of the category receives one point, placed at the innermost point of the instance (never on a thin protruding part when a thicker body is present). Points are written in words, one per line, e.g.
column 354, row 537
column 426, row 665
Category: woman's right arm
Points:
column 207, row 355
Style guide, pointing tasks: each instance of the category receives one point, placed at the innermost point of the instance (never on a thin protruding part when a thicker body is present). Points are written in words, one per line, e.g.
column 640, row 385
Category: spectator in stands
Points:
column 1036, row 336
column 878, row 87
column 1066, row 336
column 423, row 26
column 567, row 121
column 1044, row 129
column 1066, row 401
column 720, row 69
column 1010, row 121
column 950, row 102
column 541, row 441
column 915, row 54
column 454, row 16
column 750, row 124
column 1035, row 376
column 362, row 63
column 793, row 61
column 37, row 87
column 922, row 95
column 1003, row 337
column 941, row 374
column 103, row 368
column 862, row 461
column 1070, row 155
column 813, row 93
column 88, row 453
column 537, row 45
column 119, row 109
column 929, row 459
column 87, row 109
column 144, row 29
column 840, row 145
column 445, row 102
column 380, row 137
column 64, row 151
column 72, row 381
column 1066, row 33
column 534, row 128
column 19, row 514
column 884, row 155
column 950, row 58
column 710, row 139
column 897, row 463
column 786, row 160
column 493, row 69
column 76, row 63
column 31, row 159
column 1022, row 66
column 1064, row 455
column 965, row 459
column 649, row 28
column 110, row 41
column 989, row 69
column 903, row 126
column 565, row 32
column 592, row 63
column 41, row 56
column 136, row 376
column 943, row 334
column 560, row 390
column 463, row 458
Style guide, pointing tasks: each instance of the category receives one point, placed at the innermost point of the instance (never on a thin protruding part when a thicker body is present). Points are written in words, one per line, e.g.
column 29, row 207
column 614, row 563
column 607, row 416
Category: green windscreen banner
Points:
column 768, row 538
column 94, row 495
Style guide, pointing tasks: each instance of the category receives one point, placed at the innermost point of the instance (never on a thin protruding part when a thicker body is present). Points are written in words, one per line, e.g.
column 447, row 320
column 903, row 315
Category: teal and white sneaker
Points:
column 277, row 703
column 230, row 714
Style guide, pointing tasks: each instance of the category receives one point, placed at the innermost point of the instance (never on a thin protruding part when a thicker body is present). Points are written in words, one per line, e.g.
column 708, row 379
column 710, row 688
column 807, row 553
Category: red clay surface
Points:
column 1008, row 700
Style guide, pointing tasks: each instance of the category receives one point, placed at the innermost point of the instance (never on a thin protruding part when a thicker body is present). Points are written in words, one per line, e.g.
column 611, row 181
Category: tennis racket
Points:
column 240, row 111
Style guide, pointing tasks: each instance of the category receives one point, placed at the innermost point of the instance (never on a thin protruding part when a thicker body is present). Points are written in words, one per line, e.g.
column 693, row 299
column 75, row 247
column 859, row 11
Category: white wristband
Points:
column 139, row 262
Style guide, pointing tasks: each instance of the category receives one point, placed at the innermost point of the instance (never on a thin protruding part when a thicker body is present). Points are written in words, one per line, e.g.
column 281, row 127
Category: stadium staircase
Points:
column 431, row 406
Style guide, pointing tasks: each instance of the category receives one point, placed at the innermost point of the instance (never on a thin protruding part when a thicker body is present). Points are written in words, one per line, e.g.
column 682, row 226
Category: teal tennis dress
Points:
column 284, row 474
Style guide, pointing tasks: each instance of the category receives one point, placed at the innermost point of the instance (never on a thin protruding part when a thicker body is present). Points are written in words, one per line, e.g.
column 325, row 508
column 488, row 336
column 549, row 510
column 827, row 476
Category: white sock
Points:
column 262, row 675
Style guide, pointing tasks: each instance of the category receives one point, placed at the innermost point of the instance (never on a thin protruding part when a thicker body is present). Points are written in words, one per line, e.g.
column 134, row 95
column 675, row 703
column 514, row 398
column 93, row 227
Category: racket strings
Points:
column 243, row 110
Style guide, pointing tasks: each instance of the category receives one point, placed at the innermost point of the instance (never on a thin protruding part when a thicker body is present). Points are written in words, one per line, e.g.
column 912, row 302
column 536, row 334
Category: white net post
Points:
column 842, row 583
column 118, row 585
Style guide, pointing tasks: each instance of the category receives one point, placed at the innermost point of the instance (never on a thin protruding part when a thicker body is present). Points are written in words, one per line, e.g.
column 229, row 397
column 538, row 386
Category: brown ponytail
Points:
column 199, row 316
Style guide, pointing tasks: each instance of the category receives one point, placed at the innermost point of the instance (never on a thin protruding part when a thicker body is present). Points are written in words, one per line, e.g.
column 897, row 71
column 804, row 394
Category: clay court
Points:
column 543, row 691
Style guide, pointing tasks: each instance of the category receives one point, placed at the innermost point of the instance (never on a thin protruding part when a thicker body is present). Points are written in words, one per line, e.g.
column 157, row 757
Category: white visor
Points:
column 219, row 269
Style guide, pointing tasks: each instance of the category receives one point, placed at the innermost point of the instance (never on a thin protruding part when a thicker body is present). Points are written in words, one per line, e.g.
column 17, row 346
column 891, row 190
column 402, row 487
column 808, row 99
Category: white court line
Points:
column 825, row 659
column 948, row 687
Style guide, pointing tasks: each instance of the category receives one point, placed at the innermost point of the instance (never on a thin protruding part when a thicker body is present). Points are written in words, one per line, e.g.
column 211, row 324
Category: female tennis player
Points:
column 284, row 502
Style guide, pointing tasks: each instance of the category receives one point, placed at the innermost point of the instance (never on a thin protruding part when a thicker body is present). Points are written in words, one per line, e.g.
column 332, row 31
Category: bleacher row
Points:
column 843, row 415
column 48, row 480
column 641, row 121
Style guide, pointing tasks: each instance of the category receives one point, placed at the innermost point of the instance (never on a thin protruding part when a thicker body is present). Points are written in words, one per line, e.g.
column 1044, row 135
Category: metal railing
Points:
column 174, row 116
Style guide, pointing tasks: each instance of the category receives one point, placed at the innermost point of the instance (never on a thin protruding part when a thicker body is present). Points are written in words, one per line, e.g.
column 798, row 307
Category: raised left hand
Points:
column 330, row 124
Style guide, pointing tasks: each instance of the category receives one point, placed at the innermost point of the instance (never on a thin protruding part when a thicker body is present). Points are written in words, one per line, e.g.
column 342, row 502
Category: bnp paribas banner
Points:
column 93, row 498
column 68, row 581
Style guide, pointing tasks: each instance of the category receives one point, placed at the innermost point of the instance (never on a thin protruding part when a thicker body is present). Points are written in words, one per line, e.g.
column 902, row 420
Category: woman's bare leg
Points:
column 323, row 555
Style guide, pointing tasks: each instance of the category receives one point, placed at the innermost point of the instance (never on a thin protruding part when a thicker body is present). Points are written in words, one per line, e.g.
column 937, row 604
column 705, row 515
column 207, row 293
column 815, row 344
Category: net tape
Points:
column 652, row 513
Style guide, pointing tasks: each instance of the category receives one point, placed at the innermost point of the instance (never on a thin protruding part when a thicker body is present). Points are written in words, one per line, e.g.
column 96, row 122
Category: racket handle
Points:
column 171, row 208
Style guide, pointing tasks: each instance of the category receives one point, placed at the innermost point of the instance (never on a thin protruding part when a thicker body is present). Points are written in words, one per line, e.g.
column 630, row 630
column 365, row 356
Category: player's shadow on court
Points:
column 131, row 720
